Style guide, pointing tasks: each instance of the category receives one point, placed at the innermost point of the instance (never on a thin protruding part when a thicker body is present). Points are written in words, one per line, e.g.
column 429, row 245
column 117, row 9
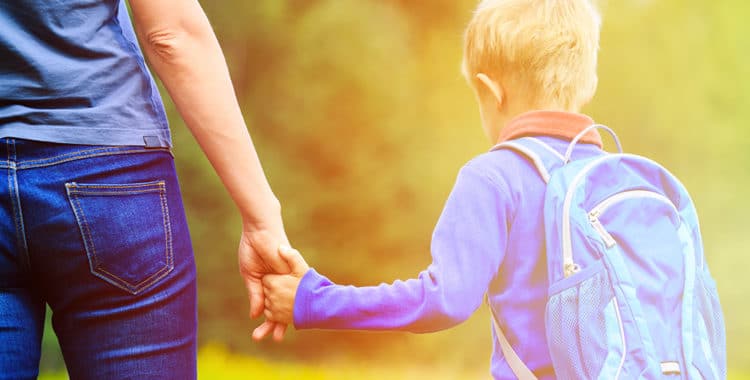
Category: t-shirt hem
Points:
column 151, row 138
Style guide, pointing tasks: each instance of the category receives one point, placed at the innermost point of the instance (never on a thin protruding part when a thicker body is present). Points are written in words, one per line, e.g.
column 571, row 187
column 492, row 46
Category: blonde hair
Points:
column 548, row 46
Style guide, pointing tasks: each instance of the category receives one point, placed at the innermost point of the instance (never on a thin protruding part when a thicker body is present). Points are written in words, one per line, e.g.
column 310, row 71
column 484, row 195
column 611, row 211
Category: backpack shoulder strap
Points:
column 543, row 156
column 515, row 363
column 546, row 159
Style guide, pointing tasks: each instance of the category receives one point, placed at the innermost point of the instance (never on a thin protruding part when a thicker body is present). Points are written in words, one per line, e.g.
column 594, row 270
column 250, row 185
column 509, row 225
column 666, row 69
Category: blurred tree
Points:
column 362, row 121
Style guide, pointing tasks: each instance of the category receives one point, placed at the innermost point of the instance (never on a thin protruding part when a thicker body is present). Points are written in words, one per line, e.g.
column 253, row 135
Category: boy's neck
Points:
column 562, row 124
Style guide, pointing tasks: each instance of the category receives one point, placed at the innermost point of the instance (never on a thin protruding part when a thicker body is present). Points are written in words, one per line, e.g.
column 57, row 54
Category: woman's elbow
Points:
column 171, row 35
column 166, row 45
column 181, row 43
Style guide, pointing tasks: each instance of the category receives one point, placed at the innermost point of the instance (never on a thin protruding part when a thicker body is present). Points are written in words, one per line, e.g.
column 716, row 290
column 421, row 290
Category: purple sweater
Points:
column 489, row 239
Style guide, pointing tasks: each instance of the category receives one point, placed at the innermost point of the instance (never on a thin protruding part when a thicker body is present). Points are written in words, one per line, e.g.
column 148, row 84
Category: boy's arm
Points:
column 468, row 245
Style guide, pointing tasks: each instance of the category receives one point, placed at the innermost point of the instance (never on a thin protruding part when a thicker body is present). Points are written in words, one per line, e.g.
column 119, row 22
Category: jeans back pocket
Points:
column 126, row 231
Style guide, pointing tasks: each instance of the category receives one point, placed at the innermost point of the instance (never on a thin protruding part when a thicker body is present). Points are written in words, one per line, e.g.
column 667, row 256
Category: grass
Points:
column 215, row 362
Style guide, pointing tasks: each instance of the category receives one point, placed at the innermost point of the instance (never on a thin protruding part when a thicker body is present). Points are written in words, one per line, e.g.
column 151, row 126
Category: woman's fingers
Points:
column 263, row 330
column 255, row 295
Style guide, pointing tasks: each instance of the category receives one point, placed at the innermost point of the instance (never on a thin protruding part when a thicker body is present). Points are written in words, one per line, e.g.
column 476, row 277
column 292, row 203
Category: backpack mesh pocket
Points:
column 581, row 320
column 709, row 342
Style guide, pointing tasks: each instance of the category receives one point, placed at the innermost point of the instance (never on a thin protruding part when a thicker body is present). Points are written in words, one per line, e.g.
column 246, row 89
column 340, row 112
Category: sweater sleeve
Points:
column 468, row 245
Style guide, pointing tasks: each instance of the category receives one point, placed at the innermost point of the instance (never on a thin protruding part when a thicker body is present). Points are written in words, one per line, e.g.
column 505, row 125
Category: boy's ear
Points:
column 493, row 87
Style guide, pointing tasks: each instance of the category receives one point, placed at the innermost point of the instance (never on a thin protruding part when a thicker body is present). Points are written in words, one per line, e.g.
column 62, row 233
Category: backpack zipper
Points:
column 609, row 241
column 600, row 208
column 569, row 266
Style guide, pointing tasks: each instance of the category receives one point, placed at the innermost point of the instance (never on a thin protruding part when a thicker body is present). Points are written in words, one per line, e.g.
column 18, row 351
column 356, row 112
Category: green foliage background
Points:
column 362, row 120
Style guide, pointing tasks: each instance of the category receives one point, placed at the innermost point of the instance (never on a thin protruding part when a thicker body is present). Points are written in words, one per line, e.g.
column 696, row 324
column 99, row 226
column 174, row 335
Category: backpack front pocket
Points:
column 126, row 231
column 584, row 327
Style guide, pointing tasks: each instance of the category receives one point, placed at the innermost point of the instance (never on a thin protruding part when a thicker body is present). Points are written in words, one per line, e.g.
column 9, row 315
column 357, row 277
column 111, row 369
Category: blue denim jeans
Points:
column 98, row 233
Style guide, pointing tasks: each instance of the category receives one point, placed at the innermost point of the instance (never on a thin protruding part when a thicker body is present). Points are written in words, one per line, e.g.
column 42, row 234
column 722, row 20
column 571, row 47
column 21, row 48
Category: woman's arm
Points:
column 181, row 47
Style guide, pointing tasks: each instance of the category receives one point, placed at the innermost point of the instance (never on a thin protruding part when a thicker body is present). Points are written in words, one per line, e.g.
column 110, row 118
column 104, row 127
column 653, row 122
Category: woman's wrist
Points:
column 266, row 218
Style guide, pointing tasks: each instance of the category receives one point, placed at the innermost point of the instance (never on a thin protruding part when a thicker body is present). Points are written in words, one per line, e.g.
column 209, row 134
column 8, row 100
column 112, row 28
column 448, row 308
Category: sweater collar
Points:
column 560, row 124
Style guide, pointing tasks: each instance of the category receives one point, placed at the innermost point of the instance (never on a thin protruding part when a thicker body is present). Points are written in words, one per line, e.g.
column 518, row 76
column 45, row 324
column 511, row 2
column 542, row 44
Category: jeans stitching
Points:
column 31, row 162
column 77, row 186
column 83, row 225
column 74, row 156
column 146, row 187
column 95, row 266
column 112, row 192
column 167, row 237
column 16, row 204
column 167, row 226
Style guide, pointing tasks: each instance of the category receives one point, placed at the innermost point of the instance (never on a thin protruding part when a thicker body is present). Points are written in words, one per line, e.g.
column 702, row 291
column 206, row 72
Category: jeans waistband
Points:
column 27, row 154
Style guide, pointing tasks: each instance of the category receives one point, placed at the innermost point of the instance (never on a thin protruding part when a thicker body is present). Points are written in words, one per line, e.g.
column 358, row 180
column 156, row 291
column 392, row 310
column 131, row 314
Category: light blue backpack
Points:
column 630, row 293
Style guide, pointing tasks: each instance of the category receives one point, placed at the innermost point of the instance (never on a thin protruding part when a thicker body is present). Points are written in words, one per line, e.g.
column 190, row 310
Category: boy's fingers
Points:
column 263, row 330
column 268, row 314
column 267, row 281
column 270, row 280
column 279, row 331
column 295, row 260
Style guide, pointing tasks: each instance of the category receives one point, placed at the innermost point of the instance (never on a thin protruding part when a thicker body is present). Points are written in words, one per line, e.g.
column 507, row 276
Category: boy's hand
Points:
column 280, row 293
column 281, row 290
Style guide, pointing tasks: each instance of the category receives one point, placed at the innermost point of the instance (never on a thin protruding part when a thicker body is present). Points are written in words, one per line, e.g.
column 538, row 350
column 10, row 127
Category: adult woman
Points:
column 92, row 218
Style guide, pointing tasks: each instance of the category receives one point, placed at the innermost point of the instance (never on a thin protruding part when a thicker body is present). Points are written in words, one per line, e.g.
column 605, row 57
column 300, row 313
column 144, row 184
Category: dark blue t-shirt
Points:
column 71, row 71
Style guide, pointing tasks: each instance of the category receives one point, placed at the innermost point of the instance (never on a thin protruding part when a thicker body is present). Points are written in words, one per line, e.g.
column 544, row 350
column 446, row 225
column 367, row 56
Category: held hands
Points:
column 264, row 250
column 280, row 290
column 257, row 254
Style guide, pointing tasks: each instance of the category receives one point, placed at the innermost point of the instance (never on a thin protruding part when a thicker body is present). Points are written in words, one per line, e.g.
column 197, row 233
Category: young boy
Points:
column 532, row 65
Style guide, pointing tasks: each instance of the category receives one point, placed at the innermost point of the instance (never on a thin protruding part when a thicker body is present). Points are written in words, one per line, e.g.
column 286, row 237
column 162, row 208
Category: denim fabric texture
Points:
column 98, row 233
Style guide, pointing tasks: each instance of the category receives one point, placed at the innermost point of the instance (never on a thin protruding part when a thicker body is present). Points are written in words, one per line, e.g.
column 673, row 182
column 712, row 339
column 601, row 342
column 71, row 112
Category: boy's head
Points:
column 522, row 55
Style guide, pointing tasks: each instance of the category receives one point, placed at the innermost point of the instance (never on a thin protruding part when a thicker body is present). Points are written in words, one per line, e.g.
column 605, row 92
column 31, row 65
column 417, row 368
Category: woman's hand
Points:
column 280, row 290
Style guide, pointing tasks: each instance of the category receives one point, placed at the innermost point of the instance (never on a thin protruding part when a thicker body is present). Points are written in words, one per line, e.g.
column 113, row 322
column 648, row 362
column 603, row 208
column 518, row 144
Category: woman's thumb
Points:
column 294, row 259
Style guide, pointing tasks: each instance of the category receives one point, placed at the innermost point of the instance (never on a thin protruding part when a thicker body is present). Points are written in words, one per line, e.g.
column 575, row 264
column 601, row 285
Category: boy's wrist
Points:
column 310, row 311
column 301, row 308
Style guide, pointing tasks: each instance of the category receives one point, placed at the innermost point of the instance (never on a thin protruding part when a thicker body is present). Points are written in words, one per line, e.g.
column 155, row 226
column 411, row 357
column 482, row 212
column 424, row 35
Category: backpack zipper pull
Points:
column 571, row 269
